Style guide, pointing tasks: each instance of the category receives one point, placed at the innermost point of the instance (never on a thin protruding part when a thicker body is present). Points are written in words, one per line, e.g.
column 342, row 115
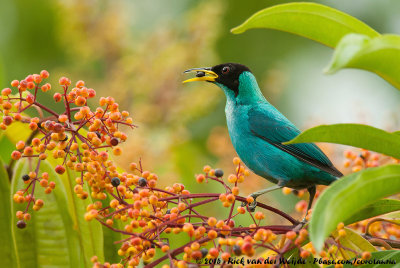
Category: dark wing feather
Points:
column 278, row 129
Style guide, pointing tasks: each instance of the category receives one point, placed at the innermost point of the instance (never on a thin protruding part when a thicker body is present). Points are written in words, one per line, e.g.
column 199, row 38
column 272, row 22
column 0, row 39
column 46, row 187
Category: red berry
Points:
column 31, row 85
column 60, row 169
column 114, row 141
column 6, row 91
column 57, row 97
column 7, row 120
column 14, row 83
column 16, row 155
column 30, row 98
column 44, row 74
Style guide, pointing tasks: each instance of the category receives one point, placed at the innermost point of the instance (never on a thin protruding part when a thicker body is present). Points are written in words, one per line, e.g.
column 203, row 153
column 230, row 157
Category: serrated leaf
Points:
column 356, row 135
column 377, row 208
column 314, row 21
column 380, row 55
column 7, row 245
column 345, row 196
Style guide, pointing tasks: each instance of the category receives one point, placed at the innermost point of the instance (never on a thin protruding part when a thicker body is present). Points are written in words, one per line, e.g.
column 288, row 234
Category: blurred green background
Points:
column 137, row 50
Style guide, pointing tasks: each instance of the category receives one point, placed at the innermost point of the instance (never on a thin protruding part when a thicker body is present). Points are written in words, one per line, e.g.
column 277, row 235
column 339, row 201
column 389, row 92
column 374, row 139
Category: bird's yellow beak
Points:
column 201, row 75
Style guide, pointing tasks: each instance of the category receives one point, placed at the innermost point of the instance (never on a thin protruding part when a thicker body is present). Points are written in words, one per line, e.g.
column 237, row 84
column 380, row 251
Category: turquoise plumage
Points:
column 258, row 130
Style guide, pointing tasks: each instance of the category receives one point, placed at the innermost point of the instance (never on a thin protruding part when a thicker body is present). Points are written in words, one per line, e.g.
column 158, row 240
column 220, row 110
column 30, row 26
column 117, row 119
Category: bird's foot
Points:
column 252, row 206
column 302, row 223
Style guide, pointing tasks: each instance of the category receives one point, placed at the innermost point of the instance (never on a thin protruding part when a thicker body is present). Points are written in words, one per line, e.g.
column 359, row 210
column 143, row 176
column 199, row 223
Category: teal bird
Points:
column 258, row 130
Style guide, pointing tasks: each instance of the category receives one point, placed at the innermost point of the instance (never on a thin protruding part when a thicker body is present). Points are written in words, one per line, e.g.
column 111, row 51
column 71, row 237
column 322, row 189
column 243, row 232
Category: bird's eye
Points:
column 226, row 70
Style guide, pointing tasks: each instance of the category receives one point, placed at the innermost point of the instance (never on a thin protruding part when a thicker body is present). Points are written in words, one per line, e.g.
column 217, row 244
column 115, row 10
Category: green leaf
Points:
column 345, row 196
column 379, row 55
column 6, row 246
column 48, row 239
column 353, row 241
column 379, row 256
column 111, row 254
column 356, row 135
column 320, row 23
column 90, row 233
column 377, row 208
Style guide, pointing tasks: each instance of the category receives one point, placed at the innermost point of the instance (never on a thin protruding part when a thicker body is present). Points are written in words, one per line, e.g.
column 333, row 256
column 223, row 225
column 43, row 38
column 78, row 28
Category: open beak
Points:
column 201, row 75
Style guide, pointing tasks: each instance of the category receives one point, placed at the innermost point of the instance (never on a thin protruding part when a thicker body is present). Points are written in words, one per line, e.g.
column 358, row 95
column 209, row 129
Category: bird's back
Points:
column 257, row 132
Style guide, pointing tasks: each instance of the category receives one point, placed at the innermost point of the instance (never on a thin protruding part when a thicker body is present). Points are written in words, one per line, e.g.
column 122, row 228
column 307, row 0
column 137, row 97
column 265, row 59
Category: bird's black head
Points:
column 226, row 74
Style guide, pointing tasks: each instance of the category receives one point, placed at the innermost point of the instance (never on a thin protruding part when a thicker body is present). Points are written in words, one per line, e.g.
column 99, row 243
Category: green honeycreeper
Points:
column 258, row 130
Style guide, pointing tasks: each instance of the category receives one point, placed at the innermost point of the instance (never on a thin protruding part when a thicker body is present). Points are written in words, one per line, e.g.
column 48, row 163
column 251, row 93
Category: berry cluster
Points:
column 81, row 138
column 82, row 141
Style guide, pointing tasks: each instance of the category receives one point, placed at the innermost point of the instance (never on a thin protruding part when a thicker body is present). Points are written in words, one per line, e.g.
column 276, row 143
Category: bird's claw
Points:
column 252, row 206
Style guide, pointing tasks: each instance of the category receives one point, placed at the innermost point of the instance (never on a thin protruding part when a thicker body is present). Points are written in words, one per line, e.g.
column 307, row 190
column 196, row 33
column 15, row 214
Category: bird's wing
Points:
column 274, row 128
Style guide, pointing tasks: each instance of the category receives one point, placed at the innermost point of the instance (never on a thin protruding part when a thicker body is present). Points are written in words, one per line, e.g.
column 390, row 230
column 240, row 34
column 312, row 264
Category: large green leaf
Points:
column 377, row 208
column 90, row 233
column 48, row 239
column 356, row 135
column 314, row 21
column 347, row 195
column 380, row 55
column 6, row 246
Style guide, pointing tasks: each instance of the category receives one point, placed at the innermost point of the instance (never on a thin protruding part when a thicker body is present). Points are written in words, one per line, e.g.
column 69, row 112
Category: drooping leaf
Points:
column 377, row 208
column 48, row 238
column 314, row 21
column 356, row 135
column 6, row 246
column 345, row 196
column 380, row 55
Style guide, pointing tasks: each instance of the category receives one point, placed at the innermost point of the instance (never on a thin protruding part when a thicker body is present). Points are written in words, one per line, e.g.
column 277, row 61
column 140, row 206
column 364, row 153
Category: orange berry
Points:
column 206, row 169
column 301, row 206
column 286, row 190
column 342, row 233
column 304, row 254
column 16, row 155
column 212, row 221
column 57, row 97
column 59, row 169
column 14, row 83
column 241, row 210
column 44, row 74
column 249, row 199
column 80, row 101
column 291, row 235
column 200, row 178
column 6, row 91
column 347, row 163
column 259, row 215
column 213, row 252
column 366, row 255
column 236, row 161
column 20, row 145
column 235, row 190
column 356, row 168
